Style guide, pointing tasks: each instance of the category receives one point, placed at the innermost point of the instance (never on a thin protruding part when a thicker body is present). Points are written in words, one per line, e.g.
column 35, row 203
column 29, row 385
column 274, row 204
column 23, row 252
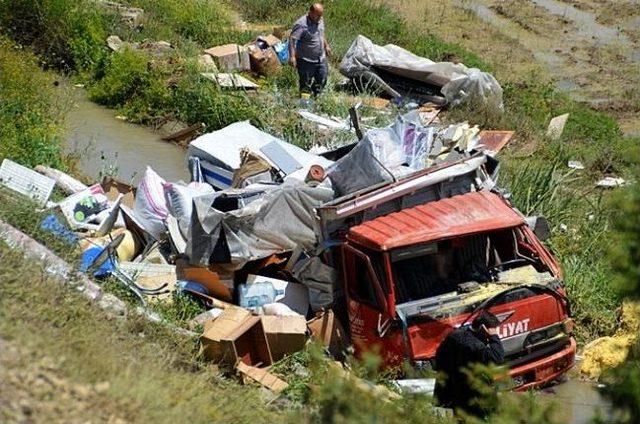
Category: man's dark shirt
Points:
column 456, row 353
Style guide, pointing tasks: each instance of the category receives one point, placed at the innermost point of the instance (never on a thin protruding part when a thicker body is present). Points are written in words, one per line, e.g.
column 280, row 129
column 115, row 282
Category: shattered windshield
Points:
column 436, row 268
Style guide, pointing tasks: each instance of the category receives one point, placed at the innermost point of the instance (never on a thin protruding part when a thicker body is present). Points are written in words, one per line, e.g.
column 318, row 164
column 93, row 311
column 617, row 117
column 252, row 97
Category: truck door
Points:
column 369, row 319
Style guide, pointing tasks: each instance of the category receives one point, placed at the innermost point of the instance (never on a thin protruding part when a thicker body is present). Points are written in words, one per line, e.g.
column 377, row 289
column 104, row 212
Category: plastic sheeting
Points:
column 458, row 84
column 280, row 220
column 382, row 155
column 150, row 204
column 406, row 146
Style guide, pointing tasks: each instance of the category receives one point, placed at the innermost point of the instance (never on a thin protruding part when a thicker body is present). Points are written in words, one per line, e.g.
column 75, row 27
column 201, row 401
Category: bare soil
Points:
column 588, row 48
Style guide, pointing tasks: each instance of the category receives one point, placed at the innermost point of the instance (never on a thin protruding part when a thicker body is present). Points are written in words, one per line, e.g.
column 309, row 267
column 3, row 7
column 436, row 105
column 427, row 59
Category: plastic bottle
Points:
column 257, row 294
column 306, row 102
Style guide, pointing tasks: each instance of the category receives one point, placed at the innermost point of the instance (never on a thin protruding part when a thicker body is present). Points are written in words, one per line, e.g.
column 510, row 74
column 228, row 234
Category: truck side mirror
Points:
column 540, row 227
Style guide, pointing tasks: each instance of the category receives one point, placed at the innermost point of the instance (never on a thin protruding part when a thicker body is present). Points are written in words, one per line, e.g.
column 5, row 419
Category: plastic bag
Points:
column 150, row 207
column 179, row 200
column 282, row 50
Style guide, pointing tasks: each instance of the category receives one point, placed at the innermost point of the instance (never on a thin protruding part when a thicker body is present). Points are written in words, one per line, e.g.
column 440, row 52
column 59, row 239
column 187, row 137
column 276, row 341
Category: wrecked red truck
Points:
column 423, row 255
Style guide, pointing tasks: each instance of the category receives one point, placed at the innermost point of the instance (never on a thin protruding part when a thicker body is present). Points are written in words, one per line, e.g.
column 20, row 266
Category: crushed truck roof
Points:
column 458, row 215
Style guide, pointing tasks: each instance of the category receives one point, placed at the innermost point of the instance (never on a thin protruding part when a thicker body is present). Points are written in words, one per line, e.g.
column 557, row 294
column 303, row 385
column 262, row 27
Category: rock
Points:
column 156, row 48
column 115, row 43
column 132, row 16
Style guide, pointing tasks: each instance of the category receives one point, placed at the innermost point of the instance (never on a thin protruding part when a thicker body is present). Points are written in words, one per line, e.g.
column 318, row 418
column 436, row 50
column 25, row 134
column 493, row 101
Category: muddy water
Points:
column 594, row 63
column 544, row 55
column 106, row 142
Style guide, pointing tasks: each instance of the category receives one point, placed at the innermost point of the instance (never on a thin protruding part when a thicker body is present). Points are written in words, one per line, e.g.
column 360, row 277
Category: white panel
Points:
column 26, row 181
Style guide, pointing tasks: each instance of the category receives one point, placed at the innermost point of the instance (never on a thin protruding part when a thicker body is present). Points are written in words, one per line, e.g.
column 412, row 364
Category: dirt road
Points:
column 588, row 48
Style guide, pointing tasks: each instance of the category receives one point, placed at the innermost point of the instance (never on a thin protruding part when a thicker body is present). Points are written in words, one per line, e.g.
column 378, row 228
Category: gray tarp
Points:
column 320, row 279
column 279, row 221
column 458, row 83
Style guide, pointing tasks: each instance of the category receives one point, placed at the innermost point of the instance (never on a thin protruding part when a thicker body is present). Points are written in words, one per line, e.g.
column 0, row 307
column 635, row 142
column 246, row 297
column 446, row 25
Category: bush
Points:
column 66, row 34
column 125, row 75
column 199, row 100
column 624, row 390
column 208, row 23
column 30, row 113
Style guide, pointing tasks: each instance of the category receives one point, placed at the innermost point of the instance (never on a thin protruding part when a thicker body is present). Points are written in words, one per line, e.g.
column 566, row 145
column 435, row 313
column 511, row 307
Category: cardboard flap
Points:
column 227, row 323
column 263, row 377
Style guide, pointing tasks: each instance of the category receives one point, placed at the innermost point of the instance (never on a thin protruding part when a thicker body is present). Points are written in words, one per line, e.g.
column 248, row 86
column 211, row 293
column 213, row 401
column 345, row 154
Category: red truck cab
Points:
column 410, row 277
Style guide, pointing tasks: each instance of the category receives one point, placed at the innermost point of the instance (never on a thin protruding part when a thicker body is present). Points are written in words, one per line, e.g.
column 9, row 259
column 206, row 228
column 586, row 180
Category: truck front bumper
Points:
column 544, row 370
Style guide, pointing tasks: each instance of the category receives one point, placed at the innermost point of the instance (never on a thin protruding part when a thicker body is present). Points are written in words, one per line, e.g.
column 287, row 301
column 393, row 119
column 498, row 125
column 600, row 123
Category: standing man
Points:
column 308, row 50
column 461, row 349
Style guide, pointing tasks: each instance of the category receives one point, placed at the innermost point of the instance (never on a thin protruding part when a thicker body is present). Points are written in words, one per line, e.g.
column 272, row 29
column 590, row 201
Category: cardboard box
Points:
column 281, row 32
column 327, row 330
column 285, row 334
column 235, row 336
column 264, row 62
column 230, row 57
column 113, row 188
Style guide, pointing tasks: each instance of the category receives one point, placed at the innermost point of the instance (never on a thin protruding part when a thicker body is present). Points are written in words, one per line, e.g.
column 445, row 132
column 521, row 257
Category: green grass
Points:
column 154, row 375
column 66, row 35
column 345, row 19
column 208, row 23
column 26, row 216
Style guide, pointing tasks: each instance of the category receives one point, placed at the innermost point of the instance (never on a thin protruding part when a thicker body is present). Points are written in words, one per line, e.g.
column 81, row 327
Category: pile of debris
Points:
column 263, row 56
column 406, row 77
column 242, row 236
